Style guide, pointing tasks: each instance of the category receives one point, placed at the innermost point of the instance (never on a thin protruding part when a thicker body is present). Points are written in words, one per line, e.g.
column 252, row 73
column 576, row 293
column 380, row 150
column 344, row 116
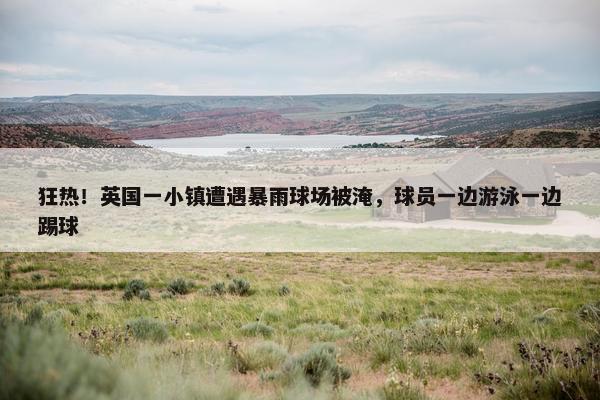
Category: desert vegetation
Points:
column 146, row 117
column 299, row 325
column 55, row 135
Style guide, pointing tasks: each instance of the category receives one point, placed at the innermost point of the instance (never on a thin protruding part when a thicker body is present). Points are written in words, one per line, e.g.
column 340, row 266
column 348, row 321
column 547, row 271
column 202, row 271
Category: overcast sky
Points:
column 244, row 47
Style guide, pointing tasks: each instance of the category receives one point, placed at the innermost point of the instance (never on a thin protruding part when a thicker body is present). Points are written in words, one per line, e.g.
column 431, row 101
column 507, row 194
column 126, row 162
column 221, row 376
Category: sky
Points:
column 282, row 47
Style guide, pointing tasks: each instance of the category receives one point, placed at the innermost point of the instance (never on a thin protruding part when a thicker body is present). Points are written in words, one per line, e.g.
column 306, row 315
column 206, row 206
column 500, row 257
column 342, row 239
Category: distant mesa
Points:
column 464, row 120
column 547, row 137
column 61, row 136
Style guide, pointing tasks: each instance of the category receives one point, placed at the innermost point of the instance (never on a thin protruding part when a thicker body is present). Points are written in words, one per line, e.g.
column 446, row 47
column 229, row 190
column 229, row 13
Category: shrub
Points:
column 390, row 316
column 323, row 331
column 257, row 328
column 6, row 272
column 239, row 360
column 547, row 373
column 59, row 316
column 261, row 356
column 217, row 288
column 179, row 286
column 542, row 319
column 318, row 365
column 283, row 290
column 37, row 277
column 427, row 322
column 8, row 297
column 553, row 264
column 133, row 288
column 559, row 384
column 431, row 335
column 43, row 364
column 147, row 329
column 426, row 335
column 266, row 355
column 468, row 346
column 40, row 363
column 35, row 315
column 424, row 340
column 7, row 267
column 385, row 346
column 587, row 265
column 590, row 312
column 167, row 295
column 545, row 317
column 144, row 294
column 398, row 389
column 424, row 367
column 239, row 287
column 402, row 392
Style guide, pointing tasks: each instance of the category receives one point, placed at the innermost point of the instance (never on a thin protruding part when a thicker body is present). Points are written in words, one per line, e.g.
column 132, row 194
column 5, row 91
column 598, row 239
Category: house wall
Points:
column 523, row 209
column 392, row 211
column 417, row 214
column 537, row 210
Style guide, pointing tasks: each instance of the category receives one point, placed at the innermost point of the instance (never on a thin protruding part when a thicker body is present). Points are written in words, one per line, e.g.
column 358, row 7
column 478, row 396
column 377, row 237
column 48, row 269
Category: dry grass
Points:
column 468, row 311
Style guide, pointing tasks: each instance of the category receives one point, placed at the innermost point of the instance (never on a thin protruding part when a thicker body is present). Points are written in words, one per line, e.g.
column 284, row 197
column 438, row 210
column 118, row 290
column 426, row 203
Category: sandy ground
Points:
column 566, row 223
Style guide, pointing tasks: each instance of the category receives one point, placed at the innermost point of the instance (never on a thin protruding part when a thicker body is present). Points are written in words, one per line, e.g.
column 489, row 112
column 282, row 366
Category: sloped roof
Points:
column 432, row 180
column 577, row 168
column 528, row 175
column 428, row 180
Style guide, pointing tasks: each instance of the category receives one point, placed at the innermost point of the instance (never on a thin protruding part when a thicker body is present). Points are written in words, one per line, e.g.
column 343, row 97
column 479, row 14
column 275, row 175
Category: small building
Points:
column 527, row 176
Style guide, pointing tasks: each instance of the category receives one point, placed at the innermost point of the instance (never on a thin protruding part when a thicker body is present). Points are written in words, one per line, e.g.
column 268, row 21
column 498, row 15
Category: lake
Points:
column 220, row 145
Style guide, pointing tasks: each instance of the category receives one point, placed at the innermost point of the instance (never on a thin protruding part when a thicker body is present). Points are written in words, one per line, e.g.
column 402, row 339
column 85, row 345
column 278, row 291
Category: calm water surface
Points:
column 220, row 145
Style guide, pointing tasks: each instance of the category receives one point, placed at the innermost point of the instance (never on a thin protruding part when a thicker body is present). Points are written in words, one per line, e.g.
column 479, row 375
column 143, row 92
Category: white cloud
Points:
column 215, row 8
column 534, row 70
column 167, row 88
column 285, row 46
column 423, row 71
column 35, row 71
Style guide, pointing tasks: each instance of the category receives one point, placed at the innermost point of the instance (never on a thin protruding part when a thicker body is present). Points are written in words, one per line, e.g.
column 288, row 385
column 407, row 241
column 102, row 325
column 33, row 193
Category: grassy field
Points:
column 300, row 325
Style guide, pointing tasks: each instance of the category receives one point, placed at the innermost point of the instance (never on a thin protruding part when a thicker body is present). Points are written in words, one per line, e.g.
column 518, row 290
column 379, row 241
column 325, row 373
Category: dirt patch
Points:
column 462, row 389
column 86, row 256
column 366, row 381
